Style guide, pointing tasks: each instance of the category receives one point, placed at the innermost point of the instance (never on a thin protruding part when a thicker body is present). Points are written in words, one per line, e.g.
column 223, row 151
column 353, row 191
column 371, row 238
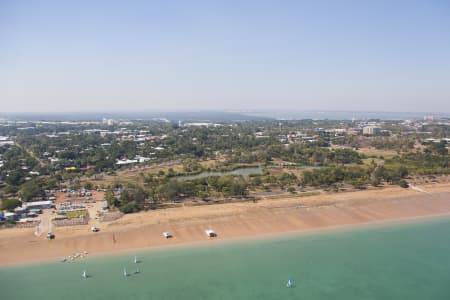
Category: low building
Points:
column 20, row 210
column 38, row 205
column 126, row 162
column 10, row 216
column 3, row 143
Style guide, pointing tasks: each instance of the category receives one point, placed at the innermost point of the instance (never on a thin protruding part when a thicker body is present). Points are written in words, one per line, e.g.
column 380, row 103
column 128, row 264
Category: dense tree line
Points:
column 332, row 175
column 262, row 143
column 306, row 154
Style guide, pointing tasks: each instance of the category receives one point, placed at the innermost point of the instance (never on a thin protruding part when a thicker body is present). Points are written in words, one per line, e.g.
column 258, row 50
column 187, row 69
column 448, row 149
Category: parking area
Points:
column 70, row 208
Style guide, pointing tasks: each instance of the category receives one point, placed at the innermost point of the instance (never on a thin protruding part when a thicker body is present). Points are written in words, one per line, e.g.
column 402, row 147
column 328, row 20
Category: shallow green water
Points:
column 398, row 262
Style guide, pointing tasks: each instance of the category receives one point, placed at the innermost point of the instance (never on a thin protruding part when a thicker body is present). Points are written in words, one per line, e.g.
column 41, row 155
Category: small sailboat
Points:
column 290, row 284
column 136, row 260
column 125, row 272
column 84, row 275
column 137, row 271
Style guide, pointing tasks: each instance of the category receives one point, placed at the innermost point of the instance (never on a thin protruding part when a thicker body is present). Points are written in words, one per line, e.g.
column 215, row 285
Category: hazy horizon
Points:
column 218, row 116
column 83, row 56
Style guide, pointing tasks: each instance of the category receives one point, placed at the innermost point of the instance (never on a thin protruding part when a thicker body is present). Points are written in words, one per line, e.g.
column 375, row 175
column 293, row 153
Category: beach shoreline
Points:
column 249, row 239
column 233, row 223
column 275, row 236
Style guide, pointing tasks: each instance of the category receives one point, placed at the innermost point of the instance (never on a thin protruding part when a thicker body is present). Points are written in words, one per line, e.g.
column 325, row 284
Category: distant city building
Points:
column 371, row 130
column 197, row 124
column 108, row 122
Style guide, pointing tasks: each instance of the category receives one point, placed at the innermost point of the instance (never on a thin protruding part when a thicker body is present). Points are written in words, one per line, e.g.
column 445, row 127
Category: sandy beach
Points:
column 230, row 221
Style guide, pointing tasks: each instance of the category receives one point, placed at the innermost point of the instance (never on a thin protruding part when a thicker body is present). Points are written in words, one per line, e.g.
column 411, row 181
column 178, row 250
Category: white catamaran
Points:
column 290, row 284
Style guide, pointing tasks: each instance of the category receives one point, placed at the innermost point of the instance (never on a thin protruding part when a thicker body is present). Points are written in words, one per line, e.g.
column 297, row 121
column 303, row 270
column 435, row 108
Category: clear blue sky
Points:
column 180, row 55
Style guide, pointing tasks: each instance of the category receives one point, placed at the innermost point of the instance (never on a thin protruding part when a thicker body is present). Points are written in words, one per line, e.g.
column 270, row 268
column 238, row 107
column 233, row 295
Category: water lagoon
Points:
column 237, row 172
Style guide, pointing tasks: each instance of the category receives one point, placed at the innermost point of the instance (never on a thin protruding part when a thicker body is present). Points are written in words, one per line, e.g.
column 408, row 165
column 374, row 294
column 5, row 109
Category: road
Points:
column 30, row 153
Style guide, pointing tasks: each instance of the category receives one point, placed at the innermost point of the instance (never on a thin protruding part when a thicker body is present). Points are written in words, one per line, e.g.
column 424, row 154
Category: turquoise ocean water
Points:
column 408, row 261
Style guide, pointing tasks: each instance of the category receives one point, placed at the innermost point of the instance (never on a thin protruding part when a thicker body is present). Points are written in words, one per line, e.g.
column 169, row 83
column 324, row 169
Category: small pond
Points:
column 237, row 172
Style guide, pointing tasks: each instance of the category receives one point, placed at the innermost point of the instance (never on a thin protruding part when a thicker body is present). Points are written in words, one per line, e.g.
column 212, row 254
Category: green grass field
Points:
column 76, row 213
